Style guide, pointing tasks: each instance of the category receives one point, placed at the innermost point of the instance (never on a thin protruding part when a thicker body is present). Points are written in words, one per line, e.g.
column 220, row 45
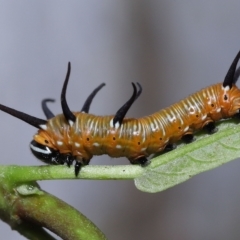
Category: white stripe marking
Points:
column 36, row 149
column 111, row 123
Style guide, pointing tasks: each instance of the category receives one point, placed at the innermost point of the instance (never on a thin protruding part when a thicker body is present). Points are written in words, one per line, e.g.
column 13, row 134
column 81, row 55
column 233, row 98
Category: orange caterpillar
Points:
column 77, row 136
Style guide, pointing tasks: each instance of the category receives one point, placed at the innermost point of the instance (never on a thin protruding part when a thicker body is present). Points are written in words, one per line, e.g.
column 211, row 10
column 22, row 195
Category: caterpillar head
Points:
column 43, row 149
column 45, row 153
column 43, row 146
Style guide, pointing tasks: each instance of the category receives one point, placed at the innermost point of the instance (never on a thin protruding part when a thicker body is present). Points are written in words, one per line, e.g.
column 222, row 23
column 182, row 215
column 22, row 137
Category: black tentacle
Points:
column 88, row 102
column 139, row 91
column 70, row 117
column 48, row 113
column 230, row 77
column 120, row 114
column 236, row 75
column 35, row 122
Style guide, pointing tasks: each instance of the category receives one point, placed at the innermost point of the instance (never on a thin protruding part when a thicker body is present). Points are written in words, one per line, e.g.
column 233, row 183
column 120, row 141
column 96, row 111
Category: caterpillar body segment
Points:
column 78, row 136
column 137, row 138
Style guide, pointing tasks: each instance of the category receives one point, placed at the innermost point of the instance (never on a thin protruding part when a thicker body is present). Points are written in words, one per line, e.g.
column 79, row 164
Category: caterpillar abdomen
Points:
column 95, row 135
column 78, row 136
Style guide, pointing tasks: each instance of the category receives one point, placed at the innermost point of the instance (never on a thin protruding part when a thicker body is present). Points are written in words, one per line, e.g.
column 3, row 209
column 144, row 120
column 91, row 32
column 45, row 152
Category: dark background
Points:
column 173, row 48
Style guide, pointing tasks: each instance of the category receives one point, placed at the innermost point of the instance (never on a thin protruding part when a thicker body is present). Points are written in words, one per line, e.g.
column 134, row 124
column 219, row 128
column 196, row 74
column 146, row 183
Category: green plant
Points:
column 27, row 208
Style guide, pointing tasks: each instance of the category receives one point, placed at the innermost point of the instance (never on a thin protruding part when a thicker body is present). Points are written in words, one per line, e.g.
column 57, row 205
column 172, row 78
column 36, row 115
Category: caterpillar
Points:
column 77, row 136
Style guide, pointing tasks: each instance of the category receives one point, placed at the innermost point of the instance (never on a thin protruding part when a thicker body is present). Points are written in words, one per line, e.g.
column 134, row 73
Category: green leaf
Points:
column 207, row 152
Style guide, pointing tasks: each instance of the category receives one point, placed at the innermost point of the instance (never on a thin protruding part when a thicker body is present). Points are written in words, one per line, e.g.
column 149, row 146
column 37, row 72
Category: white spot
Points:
column 59, row 143
column 96, row 144
column 218, row 110
column 118, row 146
column 171, row 118
column 152, row 126
column 186, row 128
column 43, row 126
column 227, row 88
column 70, row 122
column 204, row 117
column 143, row 149
column 40, row 150
column 77, row 144
column 117, row 125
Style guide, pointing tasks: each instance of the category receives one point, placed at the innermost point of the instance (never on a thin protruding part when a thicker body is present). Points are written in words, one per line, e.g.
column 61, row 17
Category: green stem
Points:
column 27, row 209
column 34, row 173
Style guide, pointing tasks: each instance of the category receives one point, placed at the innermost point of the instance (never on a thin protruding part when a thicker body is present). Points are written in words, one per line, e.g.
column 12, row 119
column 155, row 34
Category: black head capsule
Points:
column 45, row 153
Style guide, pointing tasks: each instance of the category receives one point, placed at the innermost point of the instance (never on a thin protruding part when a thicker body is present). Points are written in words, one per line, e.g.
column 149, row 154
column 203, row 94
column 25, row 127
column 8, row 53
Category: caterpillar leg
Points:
column 68, row 159
column 170, row 147
column 142, row 160
column 237, row 115
column 188, row 138
column 79, row 162
column 77, row 167
column 210, row 128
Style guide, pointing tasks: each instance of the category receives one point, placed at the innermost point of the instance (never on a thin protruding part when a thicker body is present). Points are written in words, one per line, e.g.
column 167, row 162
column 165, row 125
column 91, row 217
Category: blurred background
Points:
column 173, row 48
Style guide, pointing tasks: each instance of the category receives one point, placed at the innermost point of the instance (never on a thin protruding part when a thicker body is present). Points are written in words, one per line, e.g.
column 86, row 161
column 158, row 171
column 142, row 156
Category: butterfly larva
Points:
column 77, row 136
